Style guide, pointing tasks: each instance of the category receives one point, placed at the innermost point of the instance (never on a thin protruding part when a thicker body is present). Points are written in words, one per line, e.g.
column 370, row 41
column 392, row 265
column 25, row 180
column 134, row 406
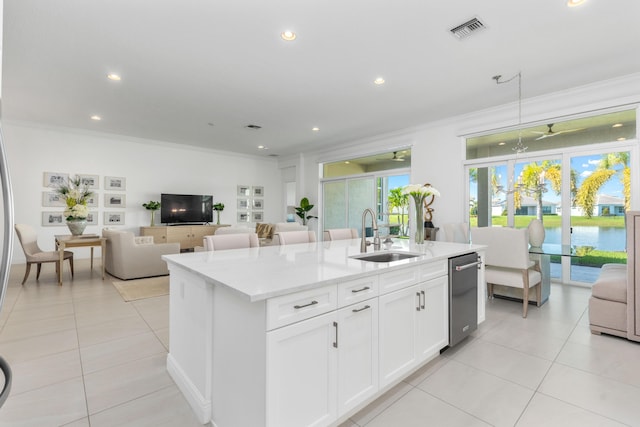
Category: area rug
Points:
column 136, row 289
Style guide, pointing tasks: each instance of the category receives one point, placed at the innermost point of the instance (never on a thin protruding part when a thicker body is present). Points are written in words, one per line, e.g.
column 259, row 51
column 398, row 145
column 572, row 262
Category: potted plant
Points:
column 75, row 193
column 218, row 207
column 302, row 210
column 152, row 206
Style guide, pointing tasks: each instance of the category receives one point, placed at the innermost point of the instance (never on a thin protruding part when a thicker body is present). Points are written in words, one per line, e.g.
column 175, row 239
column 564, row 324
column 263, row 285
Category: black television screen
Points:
column 185, row 208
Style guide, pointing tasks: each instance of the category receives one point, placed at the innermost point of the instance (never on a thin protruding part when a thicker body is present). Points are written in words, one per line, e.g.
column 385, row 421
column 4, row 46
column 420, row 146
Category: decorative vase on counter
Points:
column 153, row 218
column 419, row 222
column 536, row 233
column 218, row 217
column 77, row 226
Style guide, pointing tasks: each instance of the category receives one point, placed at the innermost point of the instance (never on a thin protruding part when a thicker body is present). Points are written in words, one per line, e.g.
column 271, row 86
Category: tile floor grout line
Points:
column 84, row 384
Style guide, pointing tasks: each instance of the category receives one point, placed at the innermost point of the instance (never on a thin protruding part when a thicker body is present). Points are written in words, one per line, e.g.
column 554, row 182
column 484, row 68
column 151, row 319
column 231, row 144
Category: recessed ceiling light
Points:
column 288, row 36
column 262, row 147
column 96, row 118
column 617, row 125
column 347, row 162
column 622, row 139
column 573, row 3
column 316, row 129
column 501, row 143
column 379, row 81
column 114, row 77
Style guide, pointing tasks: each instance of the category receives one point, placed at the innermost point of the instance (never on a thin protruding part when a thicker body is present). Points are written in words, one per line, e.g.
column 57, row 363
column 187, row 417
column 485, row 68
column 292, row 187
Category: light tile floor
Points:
column 81, row 356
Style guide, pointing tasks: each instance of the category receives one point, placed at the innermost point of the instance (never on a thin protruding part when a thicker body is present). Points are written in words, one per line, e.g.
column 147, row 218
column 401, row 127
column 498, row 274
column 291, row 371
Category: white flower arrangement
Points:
column 420, row 191
column 75, row 195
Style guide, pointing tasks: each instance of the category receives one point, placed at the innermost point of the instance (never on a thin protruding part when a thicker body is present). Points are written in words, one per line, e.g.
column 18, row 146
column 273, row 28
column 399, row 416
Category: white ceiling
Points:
column 187, row 64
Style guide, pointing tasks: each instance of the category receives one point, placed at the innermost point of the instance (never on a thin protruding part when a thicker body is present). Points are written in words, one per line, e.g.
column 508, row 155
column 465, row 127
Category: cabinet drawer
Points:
column 433, row 270
column 353, row 291
column 295, row 307
column 399, row 279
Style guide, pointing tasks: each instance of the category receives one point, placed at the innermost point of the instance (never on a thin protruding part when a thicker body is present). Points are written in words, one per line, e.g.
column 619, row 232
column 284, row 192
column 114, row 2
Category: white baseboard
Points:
column 200, row 405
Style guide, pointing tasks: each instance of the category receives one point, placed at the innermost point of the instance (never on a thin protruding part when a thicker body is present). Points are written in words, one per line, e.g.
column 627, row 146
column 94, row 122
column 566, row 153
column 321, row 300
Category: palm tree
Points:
column 532, row 176
column 588, row 191
column 399, row 201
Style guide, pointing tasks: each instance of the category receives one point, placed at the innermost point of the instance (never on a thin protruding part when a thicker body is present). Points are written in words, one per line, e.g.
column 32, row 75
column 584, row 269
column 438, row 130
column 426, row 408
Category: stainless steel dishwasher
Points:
column 463, row 296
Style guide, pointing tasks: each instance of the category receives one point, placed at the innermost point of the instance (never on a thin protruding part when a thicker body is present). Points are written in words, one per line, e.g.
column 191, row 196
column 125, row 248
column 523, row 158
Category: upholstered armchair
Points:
column 293, row 237
column 131, row 257
column 507, row 261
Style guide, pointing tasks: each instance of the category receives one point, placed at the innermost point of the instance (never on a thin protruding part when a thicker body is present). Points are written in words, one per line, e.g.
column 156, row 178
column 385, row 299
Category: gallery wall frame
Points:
column 257, row 191
column 55, row 179
column 243, row 204
column 115, row 200
column 91, row 181
column 92, row 218
column 244, row 217
column 257, row 216
column 52, row 199
column 114, row 218
column 53, row 219
column 244, row 191
column 258, row 204
column 117, row 183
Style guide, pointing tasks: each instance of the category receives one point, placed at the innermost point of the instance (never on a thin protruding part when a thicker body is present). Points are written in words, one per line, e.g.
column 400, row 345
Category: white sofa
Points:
column 131, row 257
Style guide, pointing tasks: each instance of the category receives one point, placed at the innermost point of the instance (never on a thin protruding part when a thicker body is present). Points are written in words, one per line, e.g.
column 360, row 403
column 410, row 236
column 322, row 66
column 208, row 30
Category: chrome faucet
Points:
column 376, row 239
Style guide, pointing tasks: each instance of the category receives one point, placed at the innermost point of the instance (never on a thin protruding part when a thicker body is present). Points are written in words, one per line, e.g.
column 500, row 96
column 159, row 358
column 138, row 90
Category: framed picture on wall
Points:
column 114, row 218
column 52, row 199
column 243, row 217
column 55, row 179
column 258, row 191
column 115, row 183
column 257, row 216
column 91, row 181
column 243, row 204
column 258, row 204
column 115, row 200
column 92, row 201
column 244, row 191
column 53, row 219
column 92, row 218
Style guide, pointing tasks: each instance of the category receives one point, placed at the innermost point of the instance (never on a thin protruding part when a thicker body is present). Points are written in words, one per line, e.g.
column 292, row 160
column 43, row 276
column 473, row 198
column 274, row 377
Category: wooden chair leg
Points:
column 26, row 273
column 71, row 265
column 525, row 293
column 490, row 290
column 38, row 271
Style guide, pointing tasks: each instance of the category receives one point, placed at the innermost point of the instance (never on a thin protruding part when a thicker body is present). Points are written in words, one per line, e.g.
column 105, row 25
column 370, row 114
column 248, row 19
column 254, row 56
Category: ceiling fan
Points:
column 395, row 158
column 549, row 133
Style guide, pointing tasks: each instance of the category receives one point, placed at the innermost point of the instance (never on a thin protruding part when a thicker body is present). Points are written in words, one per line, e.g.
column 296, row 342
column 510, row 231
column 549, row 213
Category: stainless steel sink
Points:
column 385, row 256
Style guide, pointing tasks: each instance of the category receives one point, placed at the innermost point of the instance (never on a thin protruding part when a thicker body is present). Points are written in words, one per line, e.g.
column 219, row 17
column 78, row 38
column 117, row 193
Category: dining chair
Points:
column 457, row 232
column 507, row 261
column 293, row 237
column 341, row 233
column 29, row 241
column 230, row 241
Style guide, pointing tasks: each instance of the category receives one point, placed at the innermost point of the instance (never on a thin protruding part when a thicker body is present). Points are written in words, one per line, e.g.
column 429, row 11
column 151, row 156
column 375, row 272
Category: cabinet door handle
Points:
column 314, row 302
column 418, row 306
column 355, row 291
column 424, row 299
column 335, row 343
column 357, row 310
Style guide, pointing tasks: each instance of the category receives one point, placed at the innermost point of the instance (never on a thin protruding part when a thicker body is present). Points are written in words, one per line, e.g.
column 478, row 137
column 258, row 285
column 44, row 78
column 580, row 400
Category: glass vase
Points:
column 218, row 217
column 77, row 226
column 153, row 218
column 419, row 221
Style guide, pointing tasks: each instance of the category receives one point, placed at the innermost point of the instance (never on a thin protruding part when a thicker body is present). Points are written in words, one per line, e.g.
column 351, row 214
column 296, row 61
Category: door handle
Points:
column 335, row 343
column 355, row 291
column 314, row 302
column 464, row 267
column 418, row 306
column 357, row 310
column 424, row 299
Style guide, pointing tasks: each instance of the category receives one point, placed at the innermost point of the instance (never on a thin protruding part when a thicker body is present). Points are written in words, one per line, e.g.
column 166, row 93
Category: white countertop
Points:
column 265, row 272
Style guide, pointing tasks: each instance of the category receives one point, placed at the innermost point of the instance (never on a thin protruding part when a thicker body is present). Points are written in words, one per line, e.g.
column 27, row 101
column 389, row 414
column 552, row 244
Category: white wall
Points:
column 150, row 168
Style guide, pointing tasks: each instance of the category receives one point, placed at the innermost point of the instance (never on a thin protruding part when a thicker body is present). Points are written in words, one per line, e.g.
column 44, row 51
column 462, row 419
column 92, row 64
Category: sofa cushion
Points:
column 612, row 283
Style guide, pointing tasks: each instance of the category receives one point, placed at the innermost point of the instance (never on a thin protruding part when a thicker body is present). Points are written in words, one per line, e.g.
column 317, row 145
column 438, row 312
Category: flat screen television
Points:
column 186, row 208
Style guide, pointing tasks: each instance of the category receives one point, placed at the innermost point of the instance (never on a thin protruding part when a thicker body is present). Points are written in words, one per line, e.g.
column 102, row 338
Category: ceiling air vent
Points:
column 463, row 31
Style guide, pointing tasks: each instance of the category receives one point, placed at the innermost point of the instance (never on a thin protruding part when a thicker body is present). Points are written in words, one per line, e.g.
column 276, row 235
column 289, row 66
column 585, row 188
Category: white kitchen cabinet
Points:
column 302, row 373
column 413, row 327
column 357, row 354
column 433, row 318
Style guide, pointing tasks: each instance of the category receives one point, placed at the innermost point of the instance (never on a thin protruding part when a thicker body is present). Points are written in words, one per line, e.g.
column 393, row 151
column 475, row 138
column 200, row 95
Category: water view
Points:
column 601, row 238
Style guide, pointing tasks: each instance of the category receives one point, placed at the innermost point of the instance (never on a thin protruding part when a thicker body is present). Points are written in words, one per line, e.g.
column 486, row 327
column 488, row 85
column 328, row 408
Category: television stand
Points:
column 188, row 235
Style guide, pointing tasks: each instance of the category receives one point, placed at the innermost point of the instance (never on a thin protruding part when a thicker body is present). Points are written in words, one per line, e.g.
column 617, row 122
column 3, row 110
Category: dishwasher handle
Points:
column 472, row 264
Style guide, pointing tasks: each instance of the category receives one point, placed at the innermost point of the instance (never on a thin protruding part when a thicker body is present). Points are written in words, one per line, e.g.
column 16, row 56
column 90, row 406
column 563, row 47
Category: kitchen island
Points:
column 304, row 334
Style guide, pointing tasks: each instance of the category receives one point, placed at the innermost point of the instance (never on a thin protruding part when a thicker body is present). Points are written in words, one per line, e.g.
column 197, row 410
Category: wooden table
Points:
column 69, row 241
